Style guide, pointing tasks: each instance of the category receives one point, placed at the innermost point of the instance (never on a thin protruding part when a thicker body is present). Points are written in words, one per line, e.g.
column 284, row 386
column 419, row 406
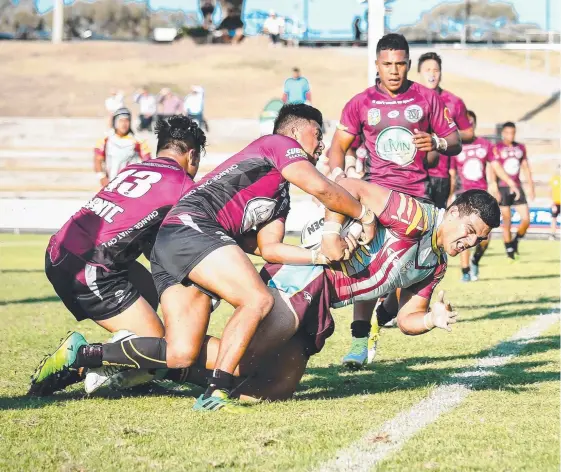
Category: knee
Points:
column 180, row 355
column 262, row 303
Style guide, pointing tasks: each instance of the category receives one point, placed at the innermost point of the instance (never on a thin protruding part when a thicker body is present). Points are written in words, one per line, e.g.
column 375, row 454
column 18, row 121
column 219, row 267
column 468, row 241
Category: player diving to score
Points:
column 409, row 252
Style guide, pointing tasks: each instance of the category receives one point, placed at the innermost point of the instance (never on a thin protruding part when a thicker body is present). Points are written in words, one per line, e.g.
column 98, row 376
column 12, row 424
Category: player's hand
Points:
column 352, row 244
column 334, row 247
column 104, row 181
column 368, row 234
column 442, row 313
column 516, row 191
column 423, row 141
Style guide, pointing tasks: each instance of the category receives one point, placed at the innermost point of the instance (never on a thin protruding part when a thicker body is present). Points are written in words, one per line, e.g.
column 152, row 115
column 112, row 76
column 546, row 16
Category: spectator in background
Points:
column 147, row 107
column 274, row 27
column 115, row 101
column 194, row 104
column 119, row 149
column 207, row 10
column 169, row 103
column 357, row 34
column 297, row 89
column 555, row 184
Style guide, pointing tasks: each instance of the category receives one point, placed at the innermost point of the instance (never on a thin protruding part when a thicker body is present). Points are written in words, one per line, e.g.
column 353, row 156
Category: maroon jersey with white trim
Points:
column 510, row 157
column 123, row 218
column 471, row 164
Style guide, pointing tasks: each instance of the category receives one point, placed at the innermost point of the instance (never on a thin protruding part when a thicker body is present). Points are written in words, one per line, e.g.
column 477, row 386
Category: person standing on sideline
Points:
column 430, row 70
column 274, row 27
column 147, row 107
column 555, row 184
column 511, row 156
column 194, row 104
column 297, row 89
column 169, row 103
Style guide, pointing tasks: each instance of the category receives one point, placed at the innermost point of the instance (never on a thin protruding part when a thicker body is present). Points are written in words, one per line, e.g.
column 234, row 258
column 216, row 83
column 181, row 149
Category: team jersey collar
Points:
column 379, row 89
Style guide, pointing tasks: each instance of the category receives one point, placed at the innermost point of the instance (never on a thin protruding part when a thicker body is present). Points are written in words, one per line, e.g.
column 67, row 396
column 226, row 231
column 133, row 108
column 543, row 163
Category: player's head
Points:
column 392, row 61
column 472, row 118
column 122, row 121
column 508, row 132
column 430, row 69
column 302, row 123
column 181, row 139
column 468, row 221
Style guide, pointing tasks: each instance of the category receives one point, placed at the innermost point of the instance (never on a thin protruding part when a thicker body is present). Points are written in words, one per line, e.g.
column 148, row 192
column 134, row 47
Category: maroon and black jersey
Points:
column 245, row 191
column 115, row 226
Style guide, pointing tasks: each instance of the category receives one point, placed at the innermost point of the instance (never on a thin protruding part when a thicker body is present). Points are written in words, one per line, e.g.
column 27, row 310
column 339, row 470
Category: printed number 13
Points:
column 143, row 181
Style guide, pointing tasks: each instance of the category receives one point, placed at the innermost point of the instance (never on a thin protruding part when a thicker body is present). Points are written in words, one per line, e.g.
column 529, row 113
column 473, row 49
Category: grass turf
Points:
column 511, row 422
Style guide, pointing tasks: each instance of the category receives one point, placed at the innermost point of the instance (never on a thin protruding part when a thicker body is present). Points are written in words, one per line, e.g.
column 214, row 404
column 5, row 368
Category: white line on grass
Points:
column 376, row 445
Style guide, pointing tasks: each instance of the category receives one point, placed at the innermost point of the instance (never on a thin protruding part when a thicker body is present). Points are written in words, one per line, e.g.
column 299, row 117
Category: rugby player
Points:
column 119, row 149
column 196, row 249
column 512, row 157
column 430, row 70
column 409, row 251
column 399, row 121
column 91, row 260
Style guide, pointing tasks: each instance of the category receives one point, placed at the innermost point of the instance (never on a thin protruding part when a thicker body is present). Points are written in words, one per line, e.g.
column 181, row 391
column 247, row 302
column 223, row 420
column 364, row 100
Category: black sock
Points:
column 219, row 380
column 465, row 270
column 177, row 375
column 478, row 254
column 360, row 329
column 383, row 316
column 89, row 356
column 137, row 353
column 519, row 236
column 509, row 250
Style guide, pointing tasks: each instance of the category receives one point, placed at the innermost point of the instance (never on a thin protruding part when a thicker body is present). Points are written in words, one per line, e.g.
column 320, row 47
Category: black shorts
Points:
column 555, row 210
column 180, row 247
column 90, row 292
column 439, row 191
column 508, row 199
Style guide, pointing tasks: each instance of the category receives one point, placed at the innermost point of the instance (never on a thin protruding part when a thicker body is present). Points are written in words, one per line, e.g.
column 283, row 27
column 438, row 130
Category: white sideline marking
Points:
column 376, row 445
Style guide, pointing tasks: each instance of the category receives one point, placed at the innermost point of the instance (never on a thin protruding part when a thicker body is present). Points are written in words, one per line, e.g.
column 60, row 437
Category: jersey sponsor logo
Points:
column 413, row 113
column 223, row 236
column 256, row 212
column 448, row 118
column 187, row 220
column 293, row 153
column 104, row 208
column 214, row 179
column 518, row 153
column 512, row 166
column 392, row 102
column 395, row 144
column 461, row 156
column 504, row 154
column 393, row 114
column 480, row 152
column 307, row 297
column 374, row 116
column 473, row 170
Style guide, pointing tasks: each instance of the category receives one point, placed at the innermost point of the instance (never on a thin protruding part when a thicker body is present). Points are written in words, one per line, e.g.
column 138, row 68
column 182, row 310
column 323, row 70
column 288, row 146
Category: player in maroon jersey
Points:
column 196, row 249
column 430, row 69
column 91, row 260
column 512, row 157
column 400, row 122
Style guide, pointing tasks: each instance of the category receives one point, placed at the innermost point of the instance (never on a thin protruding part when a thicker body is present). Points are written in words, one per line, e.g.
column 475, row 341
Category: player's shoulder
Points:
column 424, row 92
column 276, row 141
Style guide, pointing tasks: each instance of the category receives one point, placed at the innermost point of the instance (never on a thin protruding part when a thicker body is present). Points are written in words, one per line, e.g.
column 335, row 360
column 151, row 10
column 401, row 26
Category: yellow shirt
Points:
column 555, row 184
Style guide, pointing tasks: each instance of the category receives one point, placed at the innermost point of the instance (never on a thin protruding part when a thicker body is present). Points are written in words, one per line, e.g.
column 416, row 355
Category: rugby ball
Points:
column 312, row 232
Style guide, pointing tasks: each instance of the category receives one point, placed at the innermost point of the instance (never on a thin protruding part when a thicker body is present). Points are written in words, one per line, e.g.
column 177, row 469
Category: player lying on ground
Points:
column 91, row 260
column 409, row 252
column 197, row 244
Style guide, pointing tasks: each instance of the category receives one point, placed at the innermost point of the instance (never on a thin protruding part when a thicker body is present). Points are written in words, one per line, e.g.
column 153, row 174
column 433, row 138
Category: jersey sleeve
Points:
column 426, row 287
column 460, row 116
column 285, row 90
column 99, row 149
column 281, row 151
column 405, row 216
column 306, row 87
column 440, row 118
column 350, row 117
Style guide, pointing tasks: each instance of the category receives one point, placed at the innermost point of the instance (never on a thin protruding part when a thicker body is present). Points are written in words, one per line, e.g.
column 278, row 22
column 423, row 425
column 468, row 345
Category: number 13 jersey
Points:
column 114, row 227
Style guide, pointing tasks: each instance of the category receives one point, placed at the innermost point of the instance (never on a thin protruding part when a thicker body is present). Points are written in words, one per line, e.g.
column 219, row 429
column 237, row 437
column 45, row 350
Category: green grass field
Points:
column 509, row 422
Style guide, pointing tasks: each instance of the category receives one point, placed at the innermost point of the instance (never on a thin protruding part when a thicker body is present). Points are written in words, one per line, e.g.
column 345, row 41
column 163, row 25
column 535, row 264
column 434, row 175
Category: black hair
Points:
column 288, row 114
column 508, row 124
column 393, row 42
column 481, row 203
column 429, row 56
column 295, row 69
column 179, row 133
column 472, row 114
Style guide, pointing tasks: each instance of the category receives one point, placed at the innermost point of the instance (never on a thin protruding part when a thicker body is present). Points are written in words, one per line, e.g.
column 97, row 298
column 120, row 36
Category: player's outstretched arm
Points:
column 416, row 317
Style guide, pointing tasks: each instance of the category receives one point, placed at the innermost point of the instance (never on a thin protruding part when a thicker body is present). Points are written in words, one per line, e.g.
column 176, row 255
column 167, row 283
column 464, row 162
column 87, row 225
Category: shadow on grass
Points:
column 25, row 301
column 409, row 374
column 525, row 277
column 22, row 271
column 514, row 313
column 517, row 303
